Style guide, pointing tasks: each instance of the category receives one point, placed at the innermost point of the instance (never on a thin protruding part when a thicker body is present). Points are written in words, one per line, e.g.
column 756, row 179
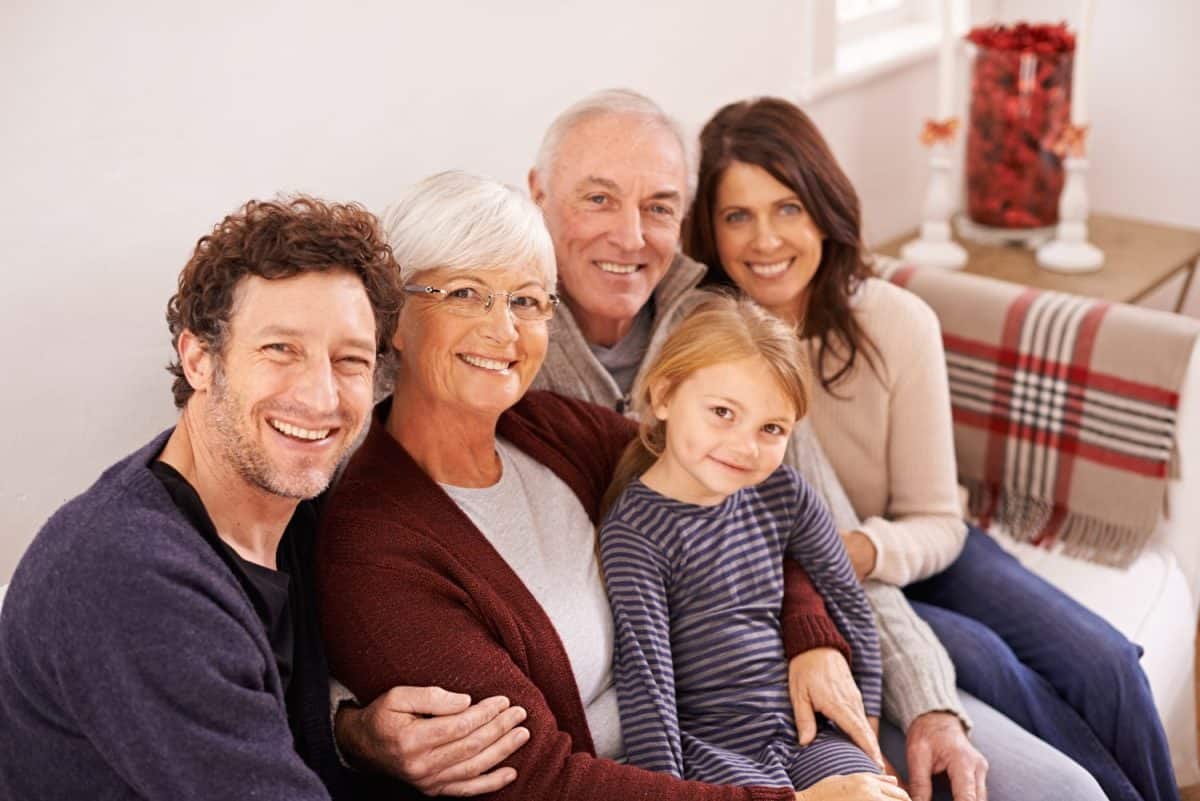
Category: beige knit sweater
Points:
column 888, row 434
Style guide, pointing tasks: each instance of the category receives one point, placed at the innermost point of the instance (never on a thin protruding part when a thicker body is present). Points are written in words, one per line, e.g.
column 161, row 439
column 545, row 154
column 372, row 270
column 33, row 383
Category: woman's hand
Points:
column 436, row 741
column 855, row 787
column 819, row 680
column 862, row 552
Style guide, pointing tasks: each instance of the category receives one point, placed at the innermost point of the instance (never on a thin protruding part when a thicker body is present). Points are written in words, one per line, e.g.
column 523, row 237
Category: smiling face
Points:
column 291, row 388
column 727, row 427
column 475, row 366
column 767, row 242
column 613, row 202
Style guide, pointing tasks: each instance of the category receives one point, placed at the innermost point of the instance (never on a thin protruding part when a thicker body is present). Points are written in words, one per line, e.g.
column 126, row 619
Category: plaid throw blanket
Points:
column 1064, row 408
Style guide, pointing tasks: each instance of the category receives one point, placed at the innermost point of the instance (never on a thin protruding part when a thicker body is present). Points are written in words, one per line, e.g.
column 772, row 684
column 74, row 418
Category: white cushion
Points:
column 1149, row 603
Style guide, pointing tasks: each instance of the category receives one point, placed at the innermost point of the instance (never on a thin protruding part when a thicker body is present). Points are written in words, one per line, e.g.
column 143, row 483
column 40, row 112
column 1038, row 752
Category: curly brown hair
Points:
column 273, row 240
column 776, row 135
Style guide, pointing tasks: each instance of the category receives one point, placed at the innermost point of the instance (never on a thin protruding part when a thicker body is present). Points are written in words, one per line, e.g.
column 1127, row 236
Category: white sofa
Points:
column 1156, row 599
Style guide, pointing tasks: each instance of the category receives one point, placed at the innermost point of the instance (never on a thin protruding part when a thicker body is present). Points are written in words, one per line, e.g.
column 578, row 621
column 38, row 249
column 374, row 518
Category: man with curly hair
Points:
column 160, row 638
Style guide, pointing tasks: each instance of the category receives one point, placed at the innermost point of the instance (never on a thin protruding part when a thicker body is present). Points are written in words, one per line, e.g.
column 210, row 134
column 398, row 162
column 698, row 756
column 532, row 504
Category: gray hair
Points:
column 616, row 102
column 461, row 221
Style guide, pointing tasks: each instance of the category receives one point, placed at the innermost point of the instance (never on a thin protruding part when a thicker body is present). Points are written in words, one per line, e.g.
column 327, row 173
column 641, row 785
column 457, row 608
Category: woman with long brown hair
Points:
column 775, row 215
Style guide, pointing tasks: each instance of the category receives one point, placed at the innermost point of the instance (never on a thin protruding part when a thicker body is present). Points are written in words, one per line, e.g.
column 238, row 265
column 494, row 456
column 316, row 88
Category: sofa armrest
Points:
column 1179, row 529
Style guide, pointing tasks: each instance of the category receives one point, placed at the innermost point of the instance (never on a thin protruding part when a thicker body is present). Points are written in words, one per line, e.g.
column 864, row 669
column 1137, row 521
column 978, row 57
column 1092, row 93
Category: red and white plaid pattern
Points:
column 1064, row 408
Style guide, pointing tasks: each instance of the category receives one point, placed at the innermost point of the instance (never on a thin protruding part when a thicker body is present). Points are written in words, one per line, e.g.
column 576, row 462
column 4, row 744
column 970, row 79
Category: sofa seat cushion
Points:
column 1149, row 603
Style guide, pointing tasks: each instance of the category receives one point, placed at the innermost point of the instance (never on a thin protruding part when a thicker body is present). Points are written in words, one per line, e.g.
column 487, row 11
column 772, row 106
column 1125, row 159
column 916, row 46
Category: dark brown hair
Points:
column 780, row 138
column 276, row 240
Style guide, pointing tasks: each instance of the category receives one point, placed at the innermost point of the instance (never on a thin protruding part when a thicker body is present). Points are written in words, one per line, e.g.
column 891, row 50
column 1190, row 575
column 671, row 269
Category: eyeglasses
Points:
column 532, row 304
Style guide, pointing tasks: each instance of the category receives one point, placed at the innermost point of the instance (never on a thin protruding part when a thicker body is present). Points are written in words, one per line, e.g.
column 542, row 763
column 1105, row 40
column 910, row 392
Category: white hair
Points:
column 614, row 102
column 459, row 221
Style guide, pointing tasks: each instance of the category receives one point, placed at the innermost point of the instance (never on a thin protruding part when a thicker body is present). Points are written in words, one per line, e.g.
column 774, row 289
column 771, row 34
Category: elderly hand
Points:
column 937, row 743
column 819, row 680
column 434, row 740
column 855, row 787
column 861, row 552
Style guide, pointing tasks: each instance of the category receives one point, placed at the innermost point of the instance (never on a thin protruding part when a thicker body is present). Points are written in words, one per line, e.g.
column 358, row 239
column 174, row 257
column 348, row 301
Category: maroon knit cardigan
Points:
column 412, row 593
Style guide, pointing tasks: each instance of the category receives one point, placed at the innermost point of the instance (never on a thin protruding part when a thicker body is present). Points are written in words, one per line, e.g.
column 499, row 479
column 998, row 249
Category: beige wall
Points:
column 130, row 127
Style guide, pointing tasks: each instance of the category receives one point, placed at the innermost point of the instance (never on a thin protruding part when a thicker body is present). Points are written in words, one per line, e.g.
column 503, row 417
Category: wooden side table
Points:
column 1138, row 258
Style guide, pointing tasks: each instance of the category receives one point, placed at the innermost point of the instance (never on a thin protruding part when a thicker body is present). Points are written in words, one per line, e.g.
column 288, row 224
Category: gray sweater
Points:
column 918, row 676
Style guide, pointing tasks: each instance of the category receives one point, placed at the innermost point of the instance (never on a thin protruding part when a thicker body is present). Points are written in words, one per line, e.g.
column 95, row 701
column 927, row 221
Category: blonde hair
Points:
column 720, row 329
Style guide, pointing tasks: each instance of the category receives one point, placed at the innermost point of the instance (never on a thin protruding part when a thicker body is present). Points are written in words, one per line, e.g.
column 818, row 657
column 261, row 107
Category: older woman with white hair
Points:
column 458, row 548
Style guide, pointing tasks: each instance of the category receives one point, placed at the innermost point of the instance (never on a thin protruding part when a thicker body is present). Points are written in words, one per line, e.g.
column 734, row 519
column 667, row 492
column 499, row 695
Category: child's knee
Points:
column 830, row 754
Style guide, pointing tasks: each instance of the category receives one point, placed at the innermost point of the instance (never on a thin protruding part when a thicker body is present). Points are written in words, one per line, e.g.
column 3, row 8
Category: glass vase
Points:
column 1020, row 108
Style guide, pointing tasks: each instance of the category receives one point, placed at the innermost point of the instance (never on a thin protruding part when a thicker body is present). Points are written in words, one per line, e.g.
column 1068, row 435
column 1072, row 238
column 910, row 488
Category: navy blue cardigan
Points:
column 133, row 664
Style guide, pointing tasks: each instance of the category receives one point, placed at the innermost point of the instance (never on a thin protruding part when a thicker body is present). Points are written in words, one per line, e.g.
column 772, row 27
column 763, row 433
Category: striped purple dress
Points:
column 696, row 593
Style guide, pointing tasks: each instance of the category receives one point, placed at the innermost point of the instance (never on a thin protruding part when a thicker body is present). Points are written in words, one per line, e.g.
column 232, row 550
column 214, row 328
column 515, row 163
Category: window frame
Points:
column 843, row 55
column 872, row 23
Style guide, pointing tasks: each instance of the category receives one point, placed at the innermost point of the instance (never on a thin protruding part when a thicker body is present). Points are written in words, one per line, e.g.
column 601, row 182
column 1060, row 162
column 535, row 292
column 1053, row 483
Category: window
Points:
column 857, row 19
column 852, row 41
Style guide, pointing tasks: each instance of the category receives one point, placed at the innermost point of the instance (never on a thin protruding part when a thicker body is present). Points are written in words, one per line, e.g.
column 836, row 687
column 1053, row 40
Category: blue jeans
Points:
column 1022, row 646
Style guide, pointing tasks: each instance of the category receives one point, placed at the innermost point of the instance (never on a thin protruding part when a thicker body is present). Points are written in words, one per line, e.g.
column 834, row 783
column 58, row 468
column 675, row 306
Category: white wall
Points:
column 131, row 127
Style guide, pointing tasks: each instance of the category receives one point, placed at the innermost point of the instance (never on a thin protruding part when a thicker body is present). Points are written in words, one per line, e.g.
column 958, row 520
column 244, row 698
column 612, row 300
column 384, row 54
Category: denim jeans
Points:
column 1022, row 646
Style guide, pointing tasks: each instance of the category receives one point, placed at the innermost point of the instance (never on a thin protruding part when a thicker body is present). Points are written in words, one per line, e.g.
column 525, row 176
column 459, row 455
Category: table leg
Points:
column 1187, row 284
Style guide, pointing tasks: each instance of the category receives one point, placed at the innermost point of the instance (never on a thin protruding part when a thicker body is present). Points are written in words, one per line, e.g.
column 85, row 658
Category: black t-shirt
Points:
column 269, row 590
column 285, row 601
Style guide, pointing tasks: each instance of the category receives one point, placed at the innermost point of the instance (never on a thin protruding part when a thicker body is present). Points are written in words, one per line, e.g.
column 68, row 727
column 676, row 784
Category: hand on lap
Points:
column 937, row 743
column 436, row 741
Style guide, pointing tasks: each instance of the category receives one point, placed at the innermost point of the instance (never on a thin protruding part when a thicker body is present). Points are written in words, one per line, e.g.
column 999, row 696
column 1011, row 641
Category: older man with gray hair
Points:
column 614, row 181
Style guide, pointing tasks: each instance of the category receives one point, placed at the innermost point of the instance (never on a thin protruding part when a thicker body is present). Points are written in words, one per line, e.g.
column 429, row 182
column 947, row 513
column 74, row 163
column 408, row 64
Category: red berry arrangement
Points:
column 1020, row 111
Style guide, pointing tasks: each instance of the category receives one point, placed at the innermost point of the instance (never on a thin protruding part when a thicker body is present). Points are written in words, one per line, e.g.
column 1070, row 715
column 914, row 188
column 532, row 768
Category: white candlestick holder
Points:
column 1069, row 251
column 935, row 248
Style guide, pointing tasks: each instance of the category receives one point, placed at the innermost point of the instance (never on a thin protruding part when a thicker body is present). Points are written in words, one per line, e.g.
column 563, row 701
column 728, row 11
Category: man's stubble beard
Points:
column 247, row 457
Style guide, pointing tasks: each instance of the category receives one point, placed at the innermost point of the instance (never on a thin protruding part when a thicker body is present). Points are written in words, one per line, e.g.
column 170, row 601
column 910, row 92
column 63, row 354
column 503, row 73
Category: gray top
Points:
column 537, row 524
column 918, row 676
column 624, row 359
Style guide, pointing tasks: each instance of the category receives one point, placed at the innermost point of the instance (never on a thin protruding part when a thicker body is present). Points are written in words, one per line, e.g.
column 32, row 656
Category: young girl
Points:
column 702, row 515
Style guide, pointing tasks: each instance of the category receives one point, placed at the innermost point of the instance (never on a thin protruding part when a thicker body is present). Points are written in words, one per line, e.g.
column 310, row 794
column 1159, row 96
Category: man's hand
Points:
column 434, row 740
column 819, row 680
column 861, row 551
column 937, row 744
